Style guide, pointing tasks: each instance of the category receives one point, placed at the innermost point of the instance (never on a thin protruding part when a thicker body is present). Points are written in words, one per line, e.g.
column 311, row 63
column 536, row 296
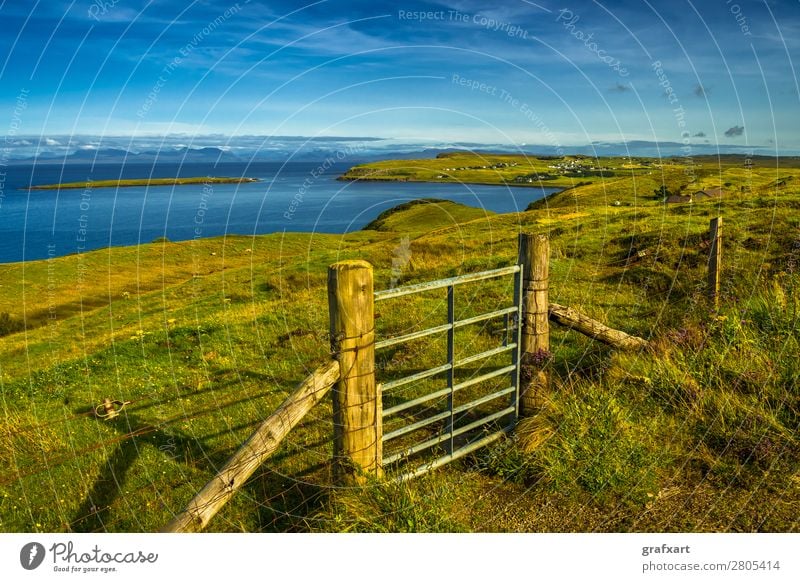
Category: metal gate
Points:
column 454, row 431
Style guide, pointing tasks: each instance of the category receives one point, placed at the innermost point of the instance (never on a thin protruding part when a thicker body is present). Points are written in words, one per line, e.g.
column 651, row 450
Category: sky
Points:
column 513, row 72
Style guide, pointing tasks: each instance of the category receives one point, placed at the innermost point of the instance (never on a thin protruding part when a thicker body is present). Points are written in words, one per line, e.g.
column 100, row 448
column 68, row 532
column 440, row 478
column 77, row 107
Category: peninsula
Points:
column 144, row 182
column 500, row 169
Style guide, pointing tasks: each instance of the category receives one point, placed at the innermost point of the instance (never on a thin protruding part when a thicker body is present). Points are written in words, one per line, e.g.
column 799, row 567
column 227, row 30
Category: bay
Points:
column 290, row 197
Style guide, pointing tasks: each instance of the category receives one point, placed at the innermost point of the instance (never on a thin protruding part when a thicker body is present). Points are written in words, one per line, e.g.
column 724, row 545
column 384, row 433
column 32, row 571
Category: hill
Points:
column 425, row 215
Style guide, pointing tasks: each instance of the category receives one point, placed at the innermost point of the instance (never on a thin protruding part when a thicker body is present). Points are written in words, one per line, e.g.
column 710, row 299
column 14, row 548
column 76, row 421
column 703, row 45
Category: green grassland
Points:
column 545, row 171
column 206, row 337
column 514, row 170
column 143, row 182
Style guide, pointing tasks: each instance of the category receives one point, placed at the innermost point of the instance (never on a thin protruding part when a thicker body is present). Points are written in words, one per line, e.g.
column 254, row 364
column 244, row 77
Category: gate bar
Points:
column 441, row 283
column 486, row 354
column 456, row 455
column 440, row 328
column 442, row 437
column 415, row 426
column 515, row 353
column 450, row 412
column 451, row 359
column 445, row 367
column 443, row 392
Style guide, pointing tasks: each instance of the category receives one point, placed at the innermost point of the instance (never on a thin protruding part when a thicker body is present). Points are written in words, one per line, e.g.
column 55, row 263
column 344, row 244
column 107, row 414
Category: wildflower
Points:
column 540, row 357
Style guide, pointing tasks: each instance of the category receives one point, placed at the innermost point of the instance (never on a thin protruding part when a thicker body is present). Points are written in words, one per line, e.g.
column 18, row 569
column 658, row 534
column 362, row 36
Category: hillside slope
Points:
column 205, row 338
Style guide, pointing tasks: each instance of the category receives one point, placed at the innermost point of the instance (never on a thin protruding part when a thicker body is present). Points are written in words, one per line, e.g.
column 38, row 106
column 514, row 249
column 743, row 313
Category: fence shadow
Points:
column 94, row 513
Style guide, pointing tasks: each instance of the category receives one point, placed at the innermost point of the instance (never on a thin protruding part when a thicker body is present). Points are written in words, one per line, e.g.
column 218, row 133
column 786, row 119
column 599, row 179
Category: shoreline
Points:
column 388, row 212
column 345, row 178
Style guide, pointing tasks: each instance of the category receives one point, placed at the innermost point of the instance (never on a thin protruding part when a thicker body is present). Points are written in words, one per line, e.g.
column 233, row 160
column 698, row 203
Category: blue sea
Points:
column 291, row 197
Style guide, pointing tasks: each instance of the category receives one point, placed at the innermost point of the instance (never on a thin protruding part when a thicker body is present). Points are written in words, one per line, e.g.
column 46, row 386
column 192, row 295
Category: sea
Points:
column 288, row 197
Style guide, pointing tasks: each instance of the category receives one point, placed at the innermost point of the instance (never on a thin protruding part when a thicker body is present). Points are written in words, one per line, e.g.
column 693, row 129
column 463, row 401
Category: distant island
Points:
column 144, row 182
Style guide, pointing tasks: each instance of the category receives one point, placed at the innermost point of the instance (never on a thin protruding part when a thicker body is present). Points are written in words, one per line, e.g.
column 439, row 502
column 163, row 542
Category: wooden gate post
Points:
column 715, row 260
column 357, row 411
column 534, row 256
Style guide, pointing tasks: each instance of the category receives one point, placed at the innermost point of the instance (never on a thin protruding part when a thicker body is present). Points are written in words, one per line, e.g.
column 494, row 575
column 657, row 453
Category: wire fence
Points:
column 185, row 428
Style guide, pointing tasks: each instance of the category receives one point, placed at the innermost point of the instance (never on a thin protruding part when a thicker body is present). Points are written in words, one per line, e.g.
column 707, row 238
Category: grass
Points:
column 497, row 169
column 9, row 325
column 143, row 182
column 206, row 337
column 425, row 215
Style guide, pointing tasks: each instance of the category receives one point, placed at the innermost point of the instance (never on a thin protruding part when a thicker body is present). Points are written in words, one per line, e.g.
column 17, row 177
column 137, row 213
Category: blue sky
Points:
column 514, row 72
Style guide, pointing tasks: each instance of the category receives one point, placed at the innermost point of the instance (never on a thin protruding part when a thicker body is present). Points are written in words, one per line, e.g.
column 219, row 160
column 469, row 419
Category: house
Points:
column 677, row 199
column 709, row 193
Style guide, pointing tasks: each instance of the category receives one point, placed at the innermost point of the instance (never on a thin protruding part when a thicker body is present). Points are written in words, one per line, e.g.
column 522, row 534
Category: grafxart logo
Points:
column 31, row 555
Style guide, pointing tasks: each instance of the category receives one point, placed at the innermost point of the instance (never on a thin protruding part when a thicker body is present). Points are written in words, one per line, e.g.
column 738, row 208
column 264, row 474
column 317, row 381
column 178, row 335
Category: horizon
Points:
column 345, row 149
column 419, row 74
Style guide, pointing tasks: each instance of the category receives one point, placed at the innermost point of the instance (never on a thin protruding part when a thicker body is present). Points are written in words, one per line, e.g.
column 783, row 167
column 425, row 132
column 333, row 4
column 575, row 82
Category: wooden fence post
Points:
column 357, row 411
column 534, row 256
column 715, row 260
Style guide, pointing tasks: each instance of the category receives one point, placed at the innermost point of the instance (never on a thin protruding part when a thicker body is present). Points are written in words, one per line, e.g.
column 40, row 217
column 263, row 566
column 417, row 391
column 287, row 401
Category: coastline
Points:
column 326, row 206
column 345, row 178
